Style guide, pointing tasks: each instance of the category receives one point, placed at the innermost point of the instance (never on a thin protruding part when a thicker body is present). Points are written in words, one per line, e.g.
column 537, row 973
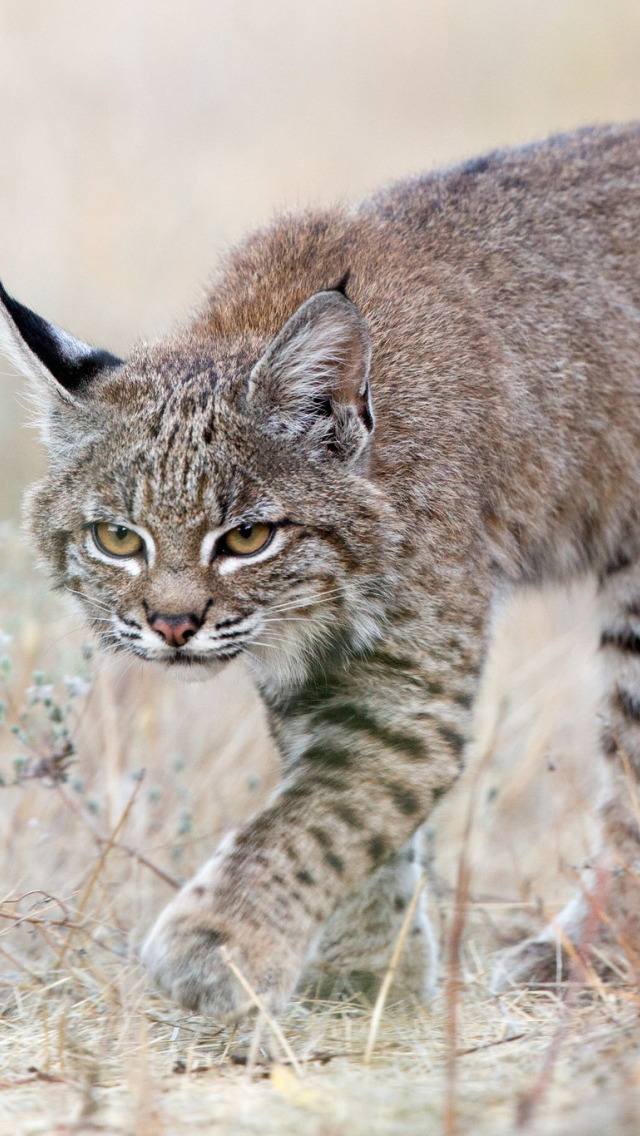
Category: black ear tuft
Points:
column 71, row 362
column 341, row 286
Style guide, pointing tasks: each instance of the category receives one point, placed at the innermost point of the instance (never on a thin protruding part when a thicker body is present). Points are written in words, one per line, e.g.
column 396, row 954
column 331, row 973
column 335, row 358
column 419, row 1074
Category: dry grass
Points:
column 117, row 783
column 91, row 1049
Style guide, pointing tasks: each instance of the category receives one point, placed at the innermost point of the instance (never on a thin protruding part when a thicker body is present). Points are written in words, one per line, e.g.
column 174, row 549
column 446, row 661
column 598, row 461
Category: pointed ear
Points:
column 48, row 355
column 314, row 378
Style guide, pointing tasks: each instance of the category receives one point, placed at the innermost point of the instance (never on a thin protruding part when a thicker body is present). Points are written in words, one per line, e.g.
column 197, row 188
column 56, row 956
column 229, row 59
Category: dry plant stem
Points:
column 493, row 1044
column 452, row 996
column 529, row 1102
column 35, row 1076
column 453, row 983
column 101, row 863
column 630, row 949
column 38, row 921
column 598, row 915
column 126, row 848
column 164, row 876
column 254, row 1048
column 259, row 1004
column 16, row 962
column 378, row 1009
column 631, row 785
column 586, row 972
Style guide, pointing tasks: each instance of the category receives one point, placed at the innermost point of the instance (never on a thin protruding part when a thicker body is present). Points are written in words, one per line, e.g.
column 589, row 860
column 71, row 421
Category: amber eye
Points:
column 246, row 539
column 117, row 540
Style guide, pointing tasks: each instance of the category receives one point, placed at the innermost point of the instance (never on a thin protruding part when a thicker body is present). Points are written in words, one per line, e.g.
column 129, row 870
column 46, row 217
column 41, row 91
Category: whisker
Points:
column 280, row 619
column 131, row 661
column 306, row 601
column 318, row 594
column 99, row 606
column 89, row 599
column 65, row 635
column 284, row 618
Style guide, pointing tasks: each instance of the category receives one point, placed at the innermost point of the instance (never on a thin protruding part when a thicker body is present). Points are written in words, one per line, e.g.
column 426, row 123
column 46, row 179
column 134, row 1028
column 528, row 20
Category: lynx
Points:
column 382, row 419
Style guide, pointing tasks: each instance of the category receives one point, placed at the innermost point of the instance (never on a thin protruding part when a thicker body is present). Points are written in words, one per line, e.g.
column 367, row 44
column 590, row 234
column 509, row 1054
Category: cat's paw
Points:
column 536, row 961
column 189, row 949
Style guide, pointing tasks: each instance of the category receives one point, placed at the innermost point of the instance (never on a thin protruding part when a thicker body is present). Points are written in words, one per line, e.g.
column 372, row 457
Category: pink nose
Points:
column 176, row 630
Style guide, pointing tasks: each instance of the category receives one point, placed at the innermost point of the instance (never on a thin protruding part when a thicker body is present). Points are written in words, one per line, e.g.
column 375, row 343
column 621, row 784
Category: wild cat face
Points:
column 210, row 499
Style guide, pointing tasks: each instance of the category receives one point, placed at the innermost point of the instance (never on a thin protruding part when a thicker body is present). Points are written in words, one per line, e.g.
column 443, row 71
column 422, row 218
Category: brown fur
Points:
column 493, row 318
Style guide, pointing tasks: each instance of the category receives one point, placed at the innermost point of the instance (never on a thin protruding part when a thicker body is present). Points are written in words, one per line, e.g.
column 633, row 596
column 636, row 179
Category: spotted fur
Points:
column 460, row 418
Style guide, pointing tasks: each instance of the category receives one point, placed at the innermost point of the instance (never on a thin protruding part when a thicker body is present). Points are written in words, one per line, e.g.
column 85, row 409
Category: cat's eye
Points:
column 245, row 540
column 117, row 540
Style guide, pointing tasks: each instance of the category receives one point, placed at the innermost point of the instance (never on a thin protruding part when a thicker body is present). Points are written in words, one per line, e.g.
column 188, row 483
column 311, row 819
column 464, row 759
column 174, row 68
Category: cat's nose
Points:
column 176, row 630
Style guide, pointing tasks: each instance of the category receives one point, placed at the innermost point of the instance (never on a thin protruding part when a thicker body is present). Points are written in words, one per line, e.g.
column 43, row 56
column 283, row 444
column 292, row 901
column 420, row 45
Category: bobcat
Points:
column 382, row 419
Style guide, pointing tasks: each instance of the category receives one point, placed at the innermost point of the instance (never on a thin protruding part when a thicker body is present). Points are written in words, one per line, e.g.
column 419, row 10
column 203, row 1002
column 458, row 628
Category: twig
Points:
column 453, row 985
column 378, row 1009
column 254, row 1048
column 454, row 982
column 529, row 1101
column 16, row 962
column 629, row 778
column 126, row 848
column 17, row 919
column 34, row 1075
column 160, row 872
column 257, row 1001
column 101, row 863
column 498, row 1041
column 64, row 922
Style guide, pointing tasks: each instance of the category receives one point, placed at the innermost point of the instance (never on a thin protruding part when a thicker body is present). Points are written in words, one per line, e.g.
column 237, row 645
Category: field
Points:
column 138, row 141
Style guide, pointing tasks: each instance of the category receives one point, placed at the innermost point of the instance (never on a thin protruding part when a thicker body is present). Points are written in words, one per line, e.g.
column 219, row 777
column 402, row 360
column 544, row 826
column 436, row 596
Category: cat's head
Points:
column 206, row 498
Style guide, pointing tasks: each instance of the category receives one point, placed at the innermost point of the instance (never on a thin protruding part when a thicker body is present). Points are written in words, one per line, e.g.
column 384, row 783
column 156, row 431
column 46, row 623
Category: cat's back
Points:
column 528, row 223
column 592, row 174
column 505, row 234
column 545, row 238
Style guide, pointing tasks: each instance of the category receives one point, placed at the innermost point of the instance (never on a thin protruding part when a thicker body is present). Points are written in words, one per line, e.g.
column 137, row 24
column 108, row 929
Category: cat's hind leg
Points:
column 606, row 910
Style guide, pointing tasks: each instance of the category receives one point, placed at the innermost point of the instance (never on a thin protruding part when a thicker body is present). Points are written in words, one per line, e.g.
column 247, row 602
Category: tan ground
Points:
column 138, row 138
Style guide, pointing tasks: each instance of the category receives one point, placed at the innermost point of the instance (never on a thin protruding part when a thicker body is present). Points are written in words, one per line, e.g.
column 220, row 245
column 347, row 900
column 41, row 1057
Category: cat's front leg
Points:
column 356, row 943
column 367, row 779
column 266, row 896
column 183, row 950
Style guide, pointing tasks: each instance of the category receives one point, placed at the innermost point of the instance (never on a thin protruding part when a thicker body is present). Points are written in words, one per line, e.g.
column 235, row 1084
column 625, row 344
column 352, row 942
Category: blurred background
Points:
column 138, row 139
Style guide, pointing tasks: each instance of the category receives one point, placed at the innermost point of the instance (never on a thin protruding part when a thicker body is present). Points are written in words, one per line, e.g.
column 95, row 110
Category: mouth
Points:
column 182, row 659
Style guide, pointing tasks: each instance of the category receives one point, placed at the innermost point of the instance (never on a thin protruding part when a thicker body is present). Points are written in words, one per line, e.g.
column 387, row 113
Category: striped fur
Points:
column 461, row 417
